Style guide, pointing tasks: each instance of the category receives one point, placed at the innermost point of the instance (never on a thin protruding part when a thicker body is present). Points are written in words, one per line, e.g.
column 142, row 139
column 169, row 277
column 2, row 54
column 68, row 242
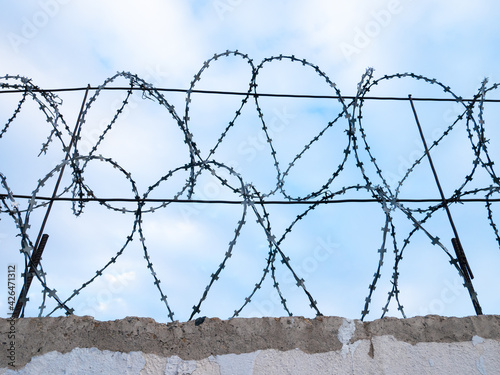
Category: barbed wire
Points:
column 253, row 202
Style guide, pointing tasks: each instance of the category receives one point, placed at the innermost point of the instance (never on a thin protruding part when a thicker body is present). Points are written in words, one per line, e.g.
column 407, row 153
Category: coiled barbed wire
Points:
column 252, row 200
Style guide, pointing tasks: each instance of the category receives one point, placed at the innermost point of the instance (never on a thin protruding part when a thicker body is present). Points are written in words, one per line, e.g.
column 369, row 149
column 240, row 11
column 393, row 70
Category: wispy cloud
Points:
column 70, row 43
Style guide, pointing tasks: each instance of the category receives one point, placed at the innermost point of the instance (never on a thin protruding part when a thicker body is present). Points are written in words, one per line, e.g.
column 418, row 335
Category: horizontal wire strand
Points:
column 223, row 201
column 256, row 94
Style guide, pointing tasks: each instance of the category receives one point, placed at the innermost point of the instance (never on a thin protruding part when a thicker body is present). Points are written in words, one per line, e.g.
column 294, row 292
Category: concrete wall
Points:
column 292, row 345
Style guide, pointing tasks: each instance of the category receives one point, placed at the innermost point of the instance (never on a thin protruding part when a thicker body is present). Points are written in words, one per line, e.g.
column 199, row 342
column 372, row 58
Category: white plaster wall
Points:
column 291, row 345
column 479, row 356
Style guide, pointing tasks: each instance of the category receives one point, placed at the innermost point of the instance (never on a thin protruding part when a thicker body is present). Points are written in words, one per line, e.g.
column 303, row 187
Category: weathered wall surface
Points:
column 292, row 345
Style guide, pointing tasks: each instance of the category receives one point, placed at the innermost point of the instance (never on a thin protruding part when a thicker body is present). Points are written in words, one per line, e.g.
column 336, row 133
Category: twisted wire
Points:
column 253, row 201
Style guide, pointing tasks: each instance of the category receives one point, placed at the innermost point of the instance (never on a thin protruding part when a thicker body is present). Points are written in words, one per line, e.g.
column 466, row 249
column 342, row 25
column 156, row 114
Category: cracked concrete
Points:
column 421, row 345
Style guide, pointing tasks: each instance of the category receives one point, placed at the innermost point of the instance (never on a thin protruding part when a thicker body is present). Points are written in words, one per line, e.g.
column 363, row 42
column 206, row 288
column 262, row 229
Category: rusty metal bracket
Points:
column 459, row 252
column 42, row 238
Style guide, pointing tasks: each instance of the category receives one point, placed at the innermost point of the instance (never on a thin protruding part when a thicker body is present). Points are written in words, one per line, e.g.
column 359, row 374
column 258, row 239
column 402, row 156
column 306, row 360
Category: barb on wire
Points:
column 356, row 152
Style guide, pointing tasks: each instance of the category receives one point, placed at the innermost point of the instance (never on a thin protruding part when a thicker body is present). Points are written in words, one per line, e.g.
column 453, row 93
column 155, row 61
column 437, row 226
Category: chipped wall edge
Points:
column 420, row 345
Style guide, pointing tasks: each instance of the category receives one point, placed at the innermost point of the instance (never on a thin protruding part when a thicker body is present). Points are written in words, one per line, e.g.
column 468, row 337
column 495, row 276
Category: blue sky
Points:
column 60, row 43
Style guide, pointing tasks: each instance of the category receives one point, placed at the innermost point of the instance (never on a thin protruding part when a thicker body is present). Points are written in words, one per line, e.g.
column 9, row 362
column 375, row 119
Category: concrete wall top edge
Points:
column 189, row 341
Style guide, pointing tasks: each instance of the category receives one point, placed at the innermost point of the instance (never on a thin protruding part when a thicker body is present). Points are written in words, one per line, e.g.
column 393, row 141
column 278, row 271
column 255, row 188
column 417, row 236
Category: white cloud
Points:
column 166, row 43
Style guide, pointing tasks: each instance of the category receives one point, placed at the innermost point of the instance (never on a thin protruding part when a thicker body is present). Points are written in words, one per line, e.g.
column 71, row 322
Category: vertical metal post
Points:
column 35, row 260
column 459, row 252
column 42, row 238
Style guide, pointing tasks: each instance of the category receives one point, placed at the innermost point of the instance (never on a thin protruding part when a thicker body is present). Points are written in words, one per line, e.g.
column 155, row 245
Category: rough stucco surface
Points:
column 291, row 345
